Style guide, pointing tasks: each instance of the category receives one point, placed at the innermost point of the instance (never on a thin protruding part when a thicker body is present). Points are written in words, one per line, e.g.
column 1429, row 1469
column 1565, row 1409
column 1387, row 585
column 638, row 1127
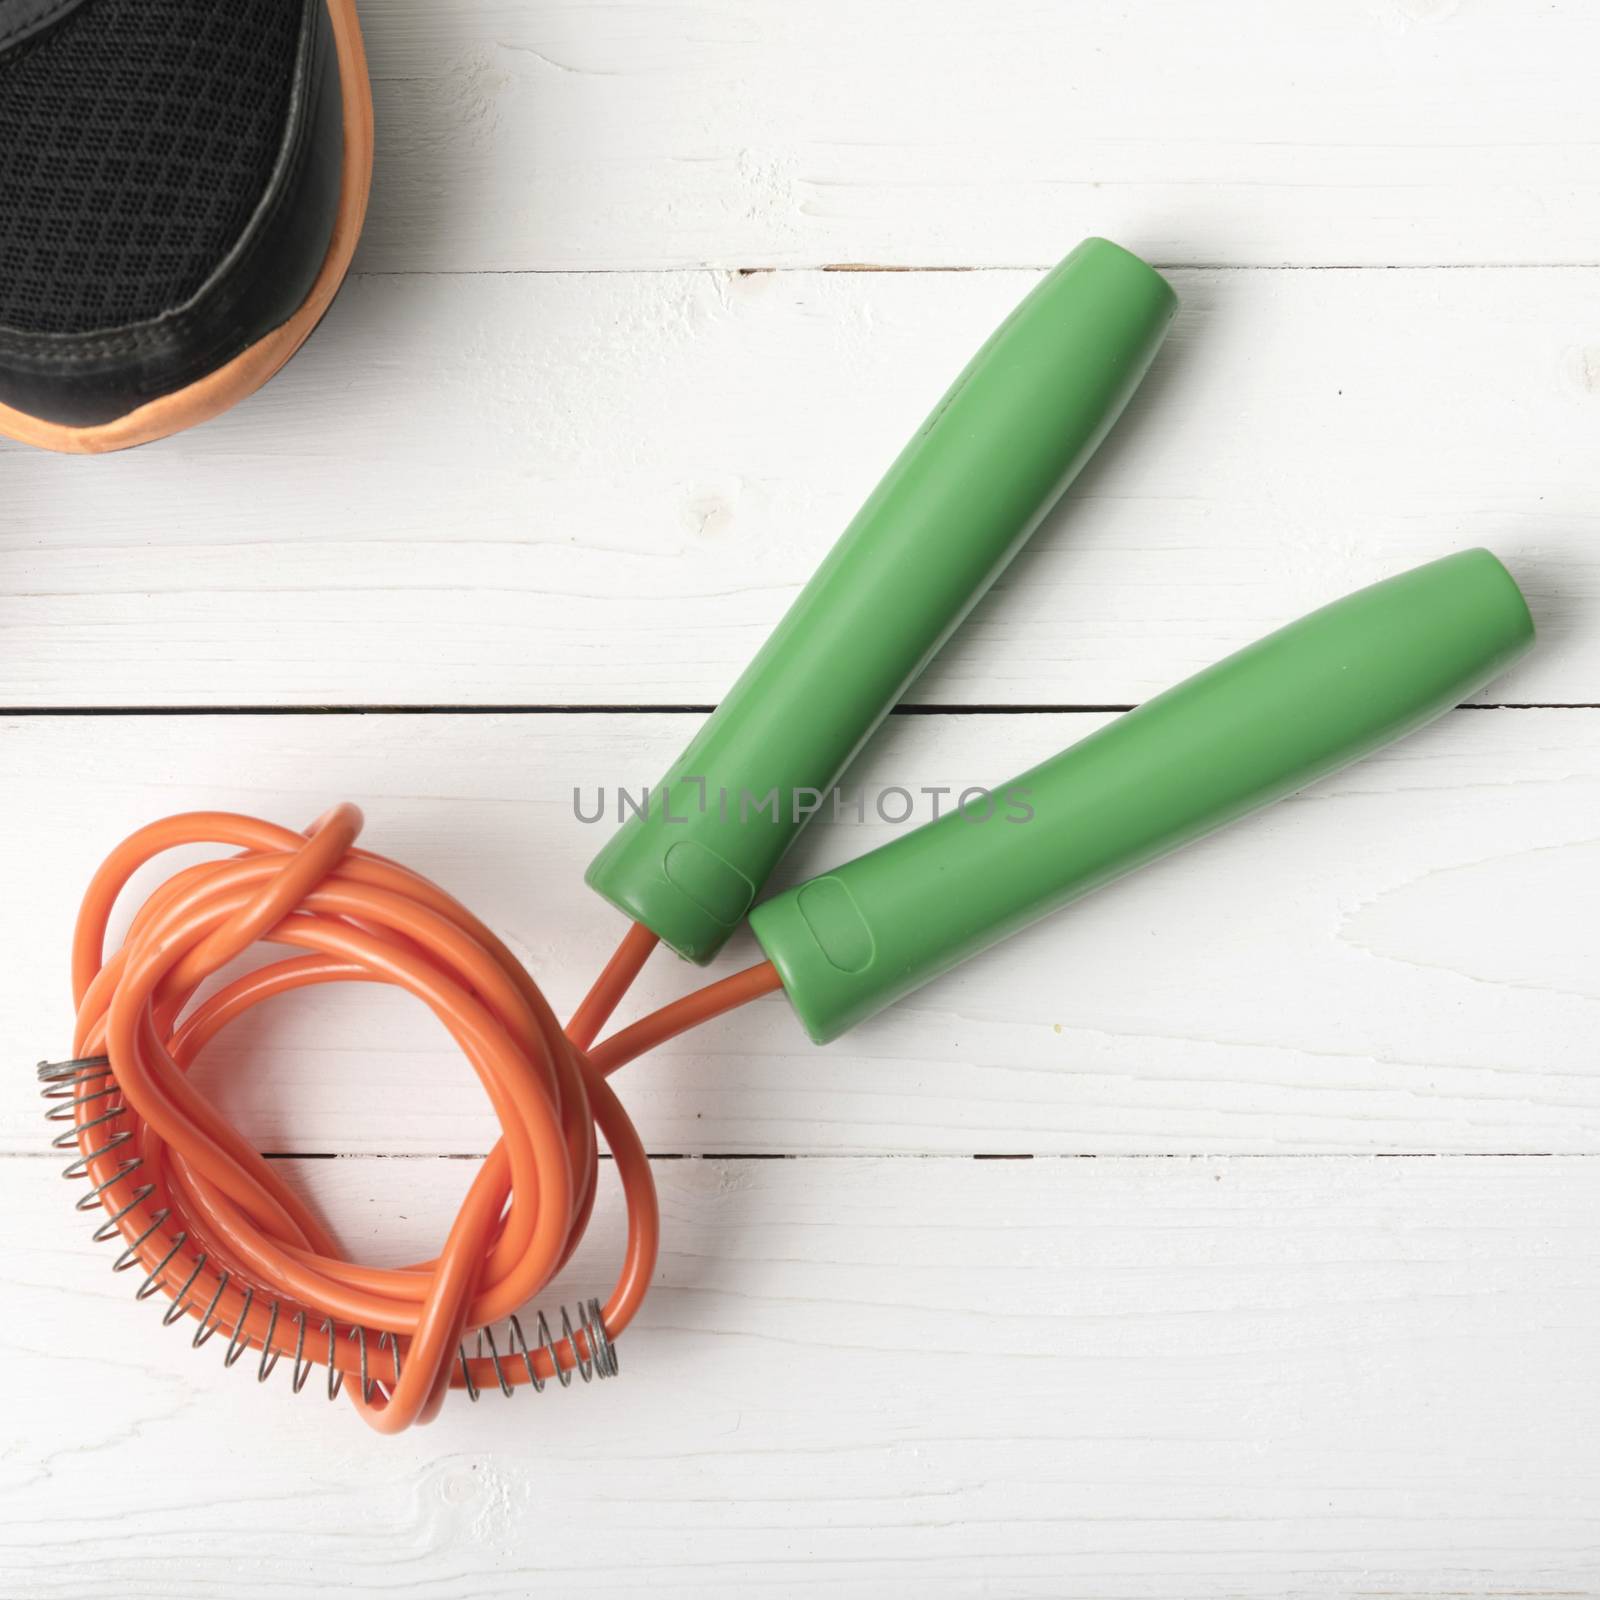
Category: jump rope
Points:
column 210, row 1224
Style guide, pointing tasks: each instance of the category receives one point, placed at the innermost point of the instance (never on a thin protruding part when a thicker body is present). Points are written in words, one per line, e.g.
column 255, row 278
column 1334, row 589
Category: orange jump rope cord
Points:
column 612, row 984
column 212, row 1222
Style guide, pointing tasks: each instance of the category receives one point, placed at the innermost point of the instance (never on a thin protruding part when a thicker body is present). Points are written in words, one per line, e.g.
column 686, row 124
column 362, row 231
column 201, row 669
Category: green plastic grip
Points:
column 962, row 499
column 1283, row 712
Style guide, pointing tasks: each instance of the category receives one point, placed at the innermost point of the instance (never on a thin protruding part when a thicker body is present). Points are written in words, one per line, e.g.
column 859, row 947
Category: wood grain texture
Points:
column 1400, row 959
column 881, row 1378
column 941, row 132
column 570, row 440
column 606, row 489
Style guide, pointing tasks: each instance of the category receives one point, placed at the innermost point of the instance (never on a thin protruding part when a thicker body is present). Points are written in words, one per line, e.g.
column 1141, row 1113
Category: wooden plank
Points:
column 1121, row 1378
column 1400, row 960
column 607, row 489
column 938, row 132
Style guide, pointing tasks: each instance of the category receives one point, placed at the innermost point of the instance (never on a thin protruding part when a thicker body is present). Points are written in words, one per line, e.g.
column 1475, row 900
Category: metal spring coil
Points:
column 582, row 1345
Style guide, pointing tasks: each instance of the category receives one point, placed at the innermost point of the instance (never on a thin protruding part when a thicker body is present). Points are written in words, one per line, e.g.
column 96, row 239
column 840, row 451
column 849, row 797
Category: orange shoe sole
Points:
column 211, row 395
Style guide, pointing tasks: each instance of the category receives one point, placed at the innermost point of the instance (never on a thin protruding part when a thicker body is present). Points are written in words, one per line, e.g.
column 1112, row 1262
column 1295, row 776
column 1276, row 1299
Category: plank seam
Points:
column 934, row 268
column 621, row 709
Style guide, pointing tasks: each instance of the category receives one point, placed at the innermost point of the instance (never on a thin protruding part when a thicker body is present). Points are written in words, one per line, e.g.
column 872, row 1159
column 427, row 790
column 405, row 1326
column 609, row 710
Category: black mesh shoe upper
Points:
column 171, row 175
column 136, row 139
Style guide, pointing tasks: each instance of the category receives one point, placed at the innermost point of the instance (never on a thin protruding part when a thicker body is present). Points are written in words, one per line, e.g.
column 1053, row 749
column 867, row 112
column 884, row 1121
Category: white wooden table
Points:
column 599, row 397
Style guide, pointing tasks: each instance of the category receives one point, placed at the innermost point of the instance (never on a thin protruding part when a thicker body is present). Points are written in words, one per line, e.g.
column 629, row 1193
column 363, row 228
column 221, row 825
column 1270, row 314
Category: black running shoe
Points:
column 182, row 183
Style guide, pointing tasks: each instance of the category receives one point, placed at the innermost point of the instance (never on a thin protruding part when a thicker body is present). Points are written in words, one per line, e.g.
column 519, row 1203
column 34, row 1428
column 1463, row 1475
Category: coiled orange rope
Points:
column 209, row 1218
